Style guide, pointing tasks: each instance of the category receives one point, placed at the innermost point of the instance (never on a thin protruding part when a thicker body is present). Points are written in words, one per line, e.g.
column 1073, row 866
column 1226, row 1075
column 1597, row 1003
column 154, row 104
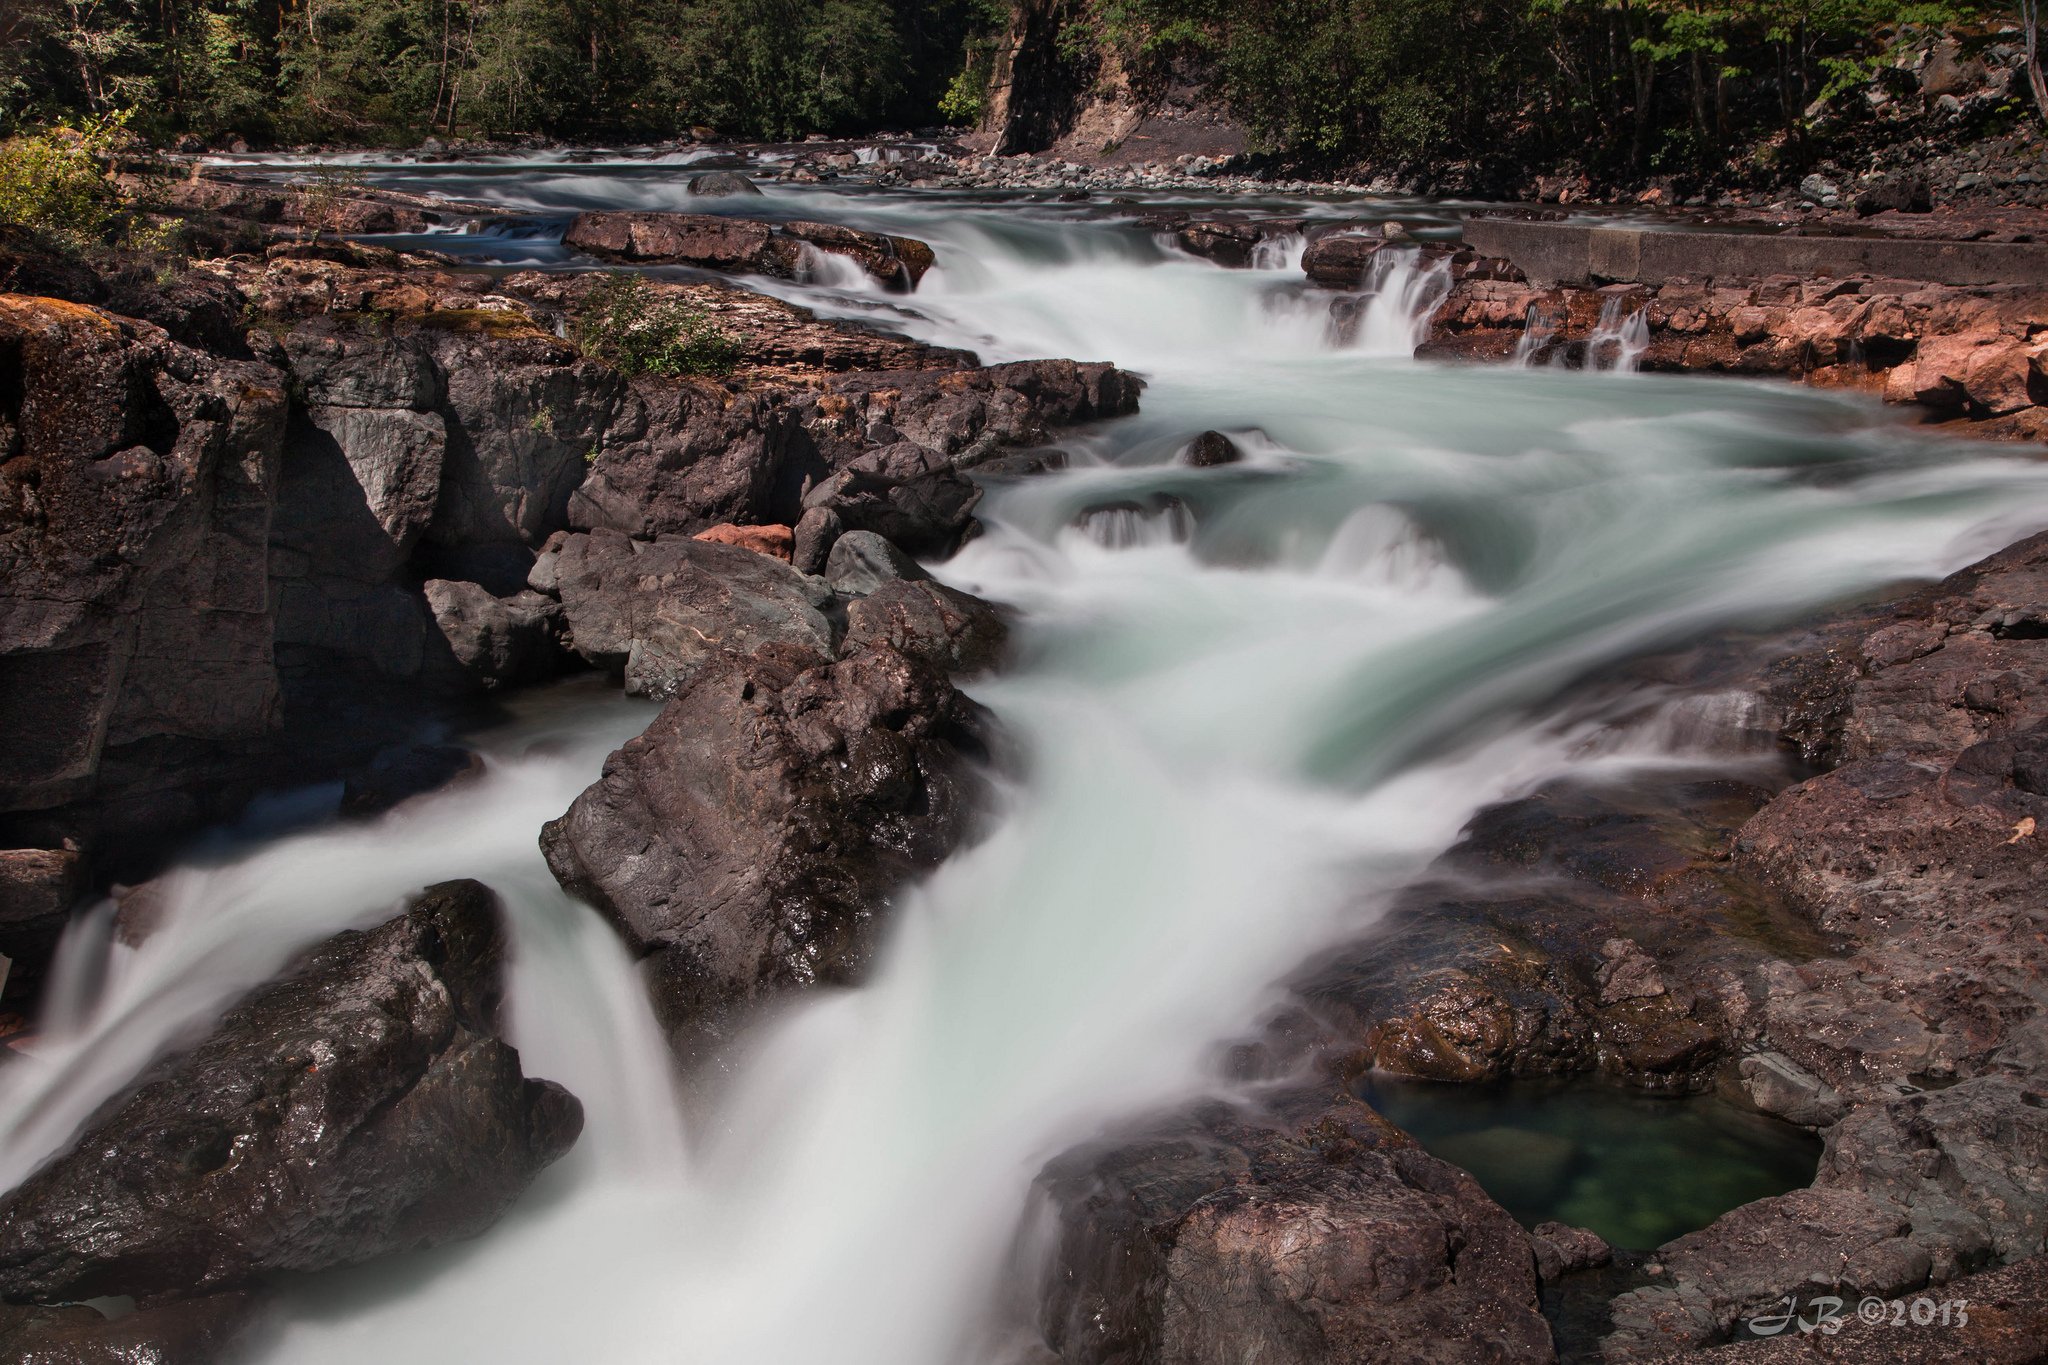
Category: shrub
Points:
column 54, row 180
column 627, row 325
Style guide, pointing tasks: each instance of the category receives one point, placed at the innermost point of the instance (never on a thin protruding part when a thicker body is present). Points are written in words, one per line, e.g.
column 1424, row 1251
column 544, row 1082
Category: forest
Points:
column 1636, row 84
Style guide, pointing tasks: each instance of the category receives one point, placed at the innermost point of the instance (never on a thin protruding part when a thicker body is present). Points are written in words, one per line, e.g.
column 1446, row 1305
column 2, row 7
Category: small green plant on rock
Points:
column 627, row 325
column 54, row 180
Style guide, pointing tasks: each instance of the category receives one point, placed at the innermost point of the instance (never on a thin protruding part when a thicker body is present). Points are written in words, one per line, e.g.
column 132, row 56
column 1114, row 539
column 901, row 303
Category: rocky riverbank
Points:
column 1857, row 953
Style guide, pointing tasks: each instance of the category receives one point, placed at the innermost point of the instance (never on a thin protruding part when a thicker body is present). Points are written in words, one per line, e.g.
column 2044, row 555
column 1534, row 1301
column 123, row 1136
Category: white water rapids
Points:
column 1244, row 726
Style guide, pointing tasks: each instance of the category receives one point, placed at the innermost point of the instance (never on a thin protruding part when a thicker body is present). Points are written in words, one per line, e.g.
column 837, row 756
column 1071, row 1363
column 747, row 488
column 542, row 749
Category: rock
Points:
column 1230, row 244
column 656, row 611
column 1310, row 1232
column 1562, row 1249
column 908, row 493
column 199, row 1331
column 1338, row 260
column 38, row 887
column 715, row 242
column 1900, row 192
column 361, row 1106
column 817, row 531
column 748, row 843
column 718, row 184
column 699, row 455
column 1627, row 973
column 862, row 561
column 940, row 627
column 1911, row 1191
column 1210, row 449
column 777, row 542
column 1818, row 189
column 497, row 641
column 1778, row 1085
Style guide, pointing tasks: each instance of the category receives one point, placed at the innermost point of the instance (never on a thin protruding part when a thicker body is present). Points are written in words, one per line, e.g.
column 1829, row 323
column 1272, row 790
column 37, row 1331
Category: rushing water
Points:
column 1245, row 720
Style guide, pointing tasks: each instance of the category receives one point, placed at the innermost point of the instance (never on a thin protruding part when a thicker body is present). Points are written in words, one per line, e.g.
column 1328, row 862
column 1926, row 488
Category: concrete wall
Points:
column 1581, row 253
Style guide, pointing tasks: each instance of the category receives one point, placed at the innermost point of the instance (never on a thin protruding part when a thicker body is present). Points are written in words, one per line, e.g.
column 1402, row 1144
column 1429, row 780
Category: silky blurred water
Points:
column 1244, row 718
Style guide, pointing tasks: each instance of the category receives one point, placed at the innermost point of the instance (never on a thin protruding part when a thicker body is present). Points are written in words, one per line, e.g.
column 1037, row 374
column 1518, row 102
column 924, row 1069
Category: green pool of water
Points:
column 1637, row 1169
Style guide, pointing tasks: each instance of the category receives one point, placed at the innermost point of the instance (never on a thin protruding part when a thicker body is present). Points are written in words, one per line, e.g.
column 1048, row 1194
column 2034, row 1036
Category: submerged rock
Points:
column 363, row 1105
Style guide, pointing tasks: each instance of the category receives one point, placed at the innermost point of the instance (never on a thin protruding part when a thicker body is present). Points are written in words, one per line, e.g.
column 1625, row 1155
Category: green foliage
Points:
column 383, row 70
column 1604, row 84
column 626, row 324
column 54, row 181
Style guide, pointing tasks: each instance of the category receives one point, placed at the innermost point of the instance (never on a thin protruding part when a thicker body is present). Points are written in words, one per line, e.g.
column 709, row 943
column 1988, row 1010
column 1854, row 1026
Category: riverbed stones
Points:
column 362, row 1105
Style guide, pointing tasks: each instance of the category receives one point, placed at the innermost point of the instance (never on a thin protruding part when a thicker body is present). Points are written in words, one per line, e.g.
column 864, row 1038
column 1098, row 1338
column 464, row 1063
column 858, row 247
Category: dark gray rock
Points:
column 1308, row 1232
column 497, row 640
column 941, row 627
column 748, row 843
column 718, row 184
column 816, row 532
column 361, row 1106
column 656, row 611
column 908, row 493
column 1210, row 449
column 862, row 561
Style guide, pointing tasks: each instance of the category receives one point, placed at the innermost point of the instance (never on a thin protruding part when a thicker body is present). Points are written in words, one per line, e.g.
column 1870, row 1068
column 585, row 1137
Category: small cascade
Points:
column 830, row 270
column 1540, row 326
column 1402, row 292
column 1282, row 251
column 1620, row 336
column 1138, row 525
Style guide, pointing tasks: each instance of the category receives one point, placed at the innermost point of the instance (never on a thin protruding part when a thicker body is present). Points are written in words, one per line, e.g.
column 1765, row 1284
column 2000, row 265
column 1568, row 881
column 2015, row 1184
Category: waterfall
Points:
column 1620, row 337
column 1249, row 704
column 1403, row 291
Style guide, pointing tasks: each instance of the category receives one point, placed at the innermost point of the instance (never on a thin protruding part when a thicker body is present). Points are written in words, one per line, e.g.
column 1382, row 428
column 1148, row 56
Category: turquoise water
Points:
column 1638, row 1169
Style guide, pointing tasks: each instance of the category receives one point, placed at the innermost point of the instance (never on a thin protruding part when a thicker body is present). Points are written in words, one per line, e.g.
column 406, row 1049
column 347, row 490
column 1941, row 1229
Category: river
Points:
column 1250, row 703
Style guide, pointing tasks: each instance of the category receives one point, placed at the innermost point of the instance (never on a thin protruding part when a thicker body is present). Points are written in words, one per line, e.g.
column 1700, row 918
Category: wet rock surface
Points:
column 362, row 1105
column 200, row 1331
column 1304, row 1230
column 751, row 841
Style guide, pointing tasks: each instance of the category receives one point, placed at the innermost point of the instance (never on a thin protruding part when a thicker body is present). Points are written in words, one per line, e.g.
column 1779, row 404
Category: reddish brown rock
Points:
column 774, row 541
column 716, row 242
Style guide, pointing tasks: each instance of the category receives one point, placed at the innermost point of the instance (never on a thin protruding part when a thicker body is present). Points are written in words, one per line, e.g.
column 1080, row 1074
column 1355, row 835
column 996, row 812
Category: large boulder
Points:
column 361, row 1106
column 657, row 611
column 749, row 842
column 1308, row 1232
